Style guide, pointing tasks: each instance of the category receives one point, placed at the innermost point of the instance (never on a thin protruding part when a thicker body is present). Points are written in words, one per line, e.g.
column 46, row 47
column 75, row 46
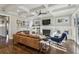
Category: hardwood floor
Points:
column 16, row 49
column 10, row 48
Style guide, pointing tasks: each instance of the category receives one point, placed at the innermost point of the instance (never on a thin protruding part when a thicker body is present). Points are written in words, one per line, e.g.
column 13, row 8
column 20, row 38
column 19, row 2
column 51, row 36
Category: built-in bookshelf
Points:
column 22, row 25
column 61, row 24
column 36, row 27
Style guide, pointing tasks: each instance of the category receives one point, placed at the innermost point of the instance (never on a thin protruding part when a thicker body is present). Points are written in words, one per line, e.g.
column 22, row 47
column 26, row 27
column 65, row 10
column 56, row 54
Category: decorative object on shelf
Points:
column 59, row 20
column 77, row 20
column 33, row 32
column 21, row 23
column 62, row 19
column 36, row 23
column 36, row 26
column 66, row 20
column 18, row 23
column 3, row 21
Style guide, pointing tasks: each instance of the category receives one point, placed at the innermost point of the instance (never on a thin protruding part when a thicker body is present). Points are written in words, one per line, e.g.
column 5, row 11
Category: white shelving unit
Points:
column 2, row 25
column 36, row 27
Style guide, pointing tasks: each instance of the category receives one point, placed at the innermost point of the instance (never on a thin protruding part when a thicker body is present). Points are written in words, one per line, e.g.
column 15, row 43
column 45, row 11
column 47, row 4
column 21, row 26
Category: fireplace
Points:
column 46, row 32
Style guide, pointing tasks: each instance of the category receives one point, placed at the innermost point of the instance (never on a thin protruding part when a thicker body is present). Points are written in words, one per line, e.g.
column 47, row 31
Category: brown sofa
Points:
column 27, row 39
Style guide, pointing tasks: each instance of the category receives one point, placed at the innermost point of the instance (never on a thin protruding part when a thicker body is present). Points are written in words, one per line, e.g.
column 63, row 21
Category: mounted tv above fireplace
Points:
column 46, row 22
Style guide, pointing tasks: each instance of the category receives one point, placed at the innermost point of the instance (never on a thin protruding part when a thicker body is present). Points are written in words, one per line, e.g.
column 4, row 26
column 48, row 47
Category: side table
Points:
column 44, row 46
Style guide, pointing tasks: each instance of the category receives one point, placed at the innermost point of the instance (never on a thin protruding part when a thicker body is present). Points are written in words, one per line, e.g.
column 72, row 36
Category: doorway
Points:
column 3, row 30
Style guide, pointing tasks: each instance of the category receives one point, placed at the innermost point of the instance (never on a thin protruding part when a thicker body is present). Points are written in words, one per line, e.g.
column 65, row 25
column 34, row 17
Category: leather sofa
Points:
column 27, row 39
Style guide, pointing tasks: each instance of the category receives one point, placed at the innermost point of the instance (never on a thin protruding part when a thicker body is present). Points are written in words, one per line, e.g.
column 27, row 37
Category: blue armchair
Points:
column 59, row 40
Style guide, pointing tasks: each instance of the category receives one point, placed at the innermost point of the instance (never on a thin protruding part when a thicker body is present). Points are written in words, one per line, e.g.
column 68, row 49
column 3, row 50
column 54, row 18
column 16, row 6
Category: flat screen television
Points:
column 46, row 22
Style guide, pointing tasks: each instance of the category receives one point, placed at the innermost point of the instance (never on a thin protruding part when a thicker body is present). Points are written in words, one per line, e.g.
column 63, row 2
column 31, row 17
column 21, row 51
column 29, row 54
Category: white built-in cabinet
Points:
column 63, row 23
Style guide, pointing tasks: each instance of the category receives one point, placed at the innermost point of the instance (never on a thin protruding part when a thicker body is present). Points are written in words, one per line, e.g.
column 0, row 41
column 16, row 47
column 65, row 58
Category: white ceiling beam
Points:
column 27, row 10
column 76, row 10
column 24, row 8
column 47, row 8
column 64, row 8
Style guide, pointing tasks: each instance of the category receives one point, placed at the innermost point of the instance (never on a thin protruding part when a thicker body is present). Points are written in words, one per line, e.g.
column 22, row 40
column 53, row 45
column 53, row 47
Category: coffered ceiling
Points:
column 33, row 10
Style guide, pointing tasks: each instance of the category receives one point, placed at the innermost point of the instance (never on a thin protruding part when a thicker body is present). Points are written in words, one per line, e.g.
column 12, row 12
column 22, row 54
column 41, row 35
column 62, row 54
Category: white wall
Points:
column 54, row 26
column 12, row 26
